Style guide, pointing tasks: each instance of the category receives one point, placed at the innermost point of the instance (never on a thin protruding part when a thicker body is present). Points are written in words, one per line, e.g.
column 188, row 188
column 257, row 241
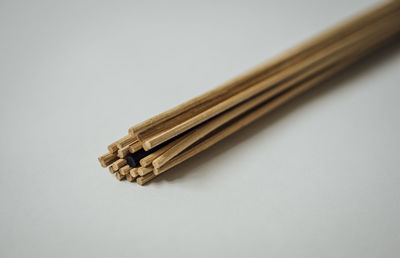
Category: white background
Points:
column 318, row 178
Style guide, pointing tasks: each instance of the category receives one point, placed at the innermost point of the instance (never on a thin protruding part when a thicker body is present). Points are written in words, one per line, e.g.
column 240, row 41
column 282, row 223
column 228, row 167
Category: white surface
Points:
column 318, row 178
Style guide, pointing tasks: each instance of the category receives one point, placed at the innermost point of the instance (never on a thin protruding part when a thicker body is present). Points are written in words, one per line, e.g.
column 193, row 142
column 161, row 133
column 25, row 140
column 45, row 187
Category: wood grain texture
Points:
column 142, row 171
column 125, row 170
column 144, row 179
column 126, row 141
column 107, row 159
column 111, row 169
column 257, row 113
column 341, row 48
column 190, row 138
column 186, row 110
column 134, row 172
column 119, row 164
column 121, row 153
column 129, row 178
column 146, row 161
column 119, row 176
column 136, row 146
column 196, row 125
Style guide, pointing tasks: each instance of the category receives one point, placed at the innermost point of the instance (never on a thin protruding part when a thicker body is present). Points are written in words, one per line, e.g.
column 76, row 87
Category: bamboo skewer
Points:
column 125, row 170
column 146, row 161
column 254, row 115
column 196, row 125
column 129, row 178
column 316, row 60
column 136, row 146
column 107, row 159
column 119, row 164
column 126, row 141
column 121, row 153
column 113, row 147
column 134, row 172
column 264, row 109
column 119, row 176
column 277, row 64
column 142, row 171
column 144, row 179
column 111, row 169
column 185, row 141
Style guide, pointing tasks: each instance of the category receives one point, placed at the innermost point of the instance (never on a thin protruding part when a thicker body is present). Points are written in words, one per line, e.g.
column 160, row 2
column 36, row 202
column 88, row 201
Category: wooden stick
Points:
column 296, row 54
column 119, row 176
column 112, row 148
column 107, row 159
column 135, row 147
column 144, row 179
column 234, row 105
column 125, row 170
column 129, row 178
column 126, row 141
column 190, row 138
column 144, row 171
column 134, row 172
column 146, row 161
column 111, row 169
column 123, row 152
column 257, row 113
column 359, row 37
column 119, row 164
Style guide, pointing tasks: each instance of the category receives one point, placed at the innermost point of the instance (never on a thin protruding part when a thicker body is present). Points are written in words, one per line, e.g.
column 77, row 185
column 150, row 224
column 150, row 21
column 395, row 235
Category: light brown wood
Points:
column 123, row 152
column 126, row 141
column 107, row 159
column 146, row 161
column 135, row 147
column 112, row 171
column 119, row 144
column 125, row 170
column 142, row 171
column 144, row 179
column 134, row 172
column 119, row 164
column 190, row 138
column 213, row 116
column 341, row 48
column 116, row 166
column 259, row 112
column 319, row 42
column 119, row 176
column 112, row 147
column 129, row 178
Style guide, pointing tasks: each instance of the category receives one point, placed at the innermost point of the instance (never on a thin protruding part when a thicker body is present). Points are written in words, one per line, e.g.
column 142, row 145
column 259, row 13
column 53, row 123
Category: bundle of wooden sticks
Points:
column 166, row 140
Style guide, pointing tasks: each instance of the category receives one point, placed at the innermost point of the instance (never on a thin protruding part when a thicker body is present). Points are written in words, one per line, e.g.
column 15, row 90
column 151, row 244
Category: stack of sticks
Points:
column 166, row 140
